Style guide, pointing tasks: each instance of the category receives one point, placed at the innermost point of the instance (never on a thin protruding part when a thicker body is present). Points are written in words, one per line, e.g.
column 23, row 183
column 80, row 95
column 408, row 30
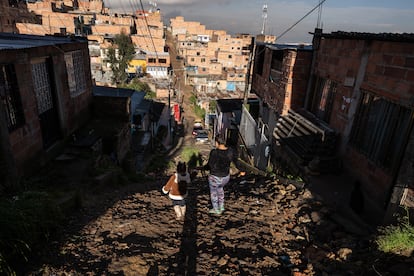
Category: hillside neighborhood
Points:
column 93, row 101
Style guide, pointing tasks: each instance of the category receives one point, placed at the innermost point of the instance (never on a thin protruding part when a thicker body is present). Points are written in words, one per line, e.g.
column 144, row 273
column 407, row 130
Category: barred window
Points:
column 76, row 73
column 10, row 96
column 380, row 130
column 42, row 87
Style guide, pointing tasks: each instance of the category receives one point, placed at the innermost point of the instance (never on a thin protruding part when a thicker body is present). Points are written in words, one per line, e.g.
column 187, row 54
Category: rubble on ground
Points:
column 268, row 228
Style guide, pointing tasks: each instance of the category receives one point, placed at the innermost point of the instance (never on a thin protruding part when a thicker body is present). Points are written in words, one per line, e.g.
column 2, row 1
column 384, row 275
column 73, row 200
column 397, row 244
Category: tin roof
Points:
column 11, row 41
column 397, row 37
column 105, row 91
column 287, row 46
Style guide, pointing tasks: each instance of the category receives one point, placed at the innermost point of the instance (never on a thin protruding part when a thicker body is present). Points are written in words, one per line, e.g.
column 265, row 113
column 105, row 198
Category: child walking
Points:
column 176, row 188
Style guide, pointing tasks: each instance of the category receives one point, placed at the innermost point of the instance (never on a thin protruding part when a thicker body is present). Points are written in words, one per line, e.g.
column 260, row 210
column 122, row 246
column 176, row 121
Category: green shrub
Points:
column 396, row 238
column 26, row 221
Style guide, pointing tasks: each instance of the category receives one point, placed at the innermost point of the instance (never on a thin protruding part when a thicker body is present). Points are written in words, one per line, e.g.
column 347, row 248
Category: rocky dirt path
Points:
column 268, row 228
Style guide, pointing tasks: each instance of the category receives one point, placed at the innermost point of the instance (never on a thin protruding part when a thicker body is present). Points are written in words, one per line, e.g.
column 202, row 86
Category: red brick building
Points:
column 46, row 91
column 349, row 102
column 363, row 87
column 281, row 75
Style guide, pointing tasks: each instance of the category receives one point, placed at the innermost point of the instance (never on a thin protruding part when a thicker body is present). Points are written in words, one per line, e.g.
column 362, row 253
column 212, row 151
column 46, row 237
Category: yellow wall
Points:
column 137, row 62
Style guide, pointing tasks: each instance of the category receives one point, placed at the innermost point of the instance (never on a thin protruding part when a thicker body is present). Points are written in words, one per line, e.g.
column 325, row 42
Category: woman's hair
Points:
column 181, row 168
column 220, row 140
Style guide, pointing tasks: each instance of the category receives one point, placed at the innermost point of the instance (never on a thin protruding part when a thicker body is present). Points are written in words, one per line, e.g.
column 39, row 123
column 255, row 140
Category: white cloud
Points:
column 245, row 16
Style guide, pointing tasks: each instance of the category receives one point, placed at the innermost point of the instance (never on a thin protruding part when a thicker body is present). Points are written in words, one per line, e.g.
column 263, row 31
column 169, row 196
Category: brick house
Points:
column 363, row 86
column 281, row 75
column 45, row 89
column 358, row 96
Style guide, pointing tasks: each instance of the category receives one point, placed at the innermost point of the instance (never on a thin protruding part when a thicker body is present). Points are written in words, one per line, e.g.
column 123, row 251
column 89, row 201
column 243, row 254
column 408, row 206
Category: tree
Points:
column 119, row 55
column 140, row 86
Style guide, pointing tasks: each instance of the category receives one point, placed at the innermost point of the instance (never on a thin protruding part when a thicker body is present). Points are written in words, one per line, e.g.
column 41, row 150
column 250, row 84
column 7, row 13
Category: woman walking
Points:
column 218, row 164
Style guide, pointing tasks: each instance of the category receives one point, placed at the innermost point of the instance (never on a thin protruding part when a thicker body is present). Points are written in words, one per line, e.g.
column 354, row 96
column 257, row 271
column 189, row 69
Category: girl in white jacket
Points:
column 176, row 188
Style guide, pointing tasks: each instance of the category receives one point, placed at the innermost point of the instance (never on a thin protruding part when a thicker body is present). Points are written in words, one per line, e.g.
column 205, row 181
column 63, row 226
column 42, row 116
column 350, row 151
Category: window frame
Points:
column 381, row 130
column 76, row 73
column 11, row 98
column 324, row 92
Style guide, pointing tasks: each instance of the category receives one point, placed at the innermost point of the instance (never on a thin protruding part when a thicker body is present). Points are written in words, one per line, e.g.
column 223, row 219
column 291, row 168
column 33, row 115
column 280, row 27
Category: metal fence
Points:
column 256, row 143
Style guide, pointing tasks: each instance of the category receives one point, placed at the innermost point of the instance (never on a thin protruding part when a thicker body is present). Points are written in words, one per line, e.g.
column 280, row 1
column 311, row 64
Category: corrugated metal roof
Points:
column 105, row 91
column 10, row 41
column 298, row 46
column 397, row 37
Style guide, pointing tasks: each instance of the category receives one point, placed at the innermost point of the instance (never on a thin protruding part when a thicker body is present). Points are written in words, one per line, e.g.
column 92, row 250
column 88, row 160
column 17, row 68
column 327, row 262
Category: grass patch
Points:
column 396, row 238
column 192, row 156
column 159, row 164
column 26, row 222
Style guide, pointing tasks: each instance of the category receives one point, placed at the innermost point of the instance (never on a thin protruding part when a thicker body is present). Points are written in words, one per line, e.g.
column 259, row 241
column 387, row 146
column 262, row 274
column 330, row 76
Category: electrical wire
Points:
column 297, row 22
column 149, row 31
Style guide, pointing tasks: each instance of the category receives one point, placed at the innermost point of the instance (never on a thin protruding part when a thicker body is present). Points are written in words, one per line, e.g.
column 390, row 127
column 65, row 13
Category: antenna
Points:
column 264, row 16
column 318, row 24
column 153, row 5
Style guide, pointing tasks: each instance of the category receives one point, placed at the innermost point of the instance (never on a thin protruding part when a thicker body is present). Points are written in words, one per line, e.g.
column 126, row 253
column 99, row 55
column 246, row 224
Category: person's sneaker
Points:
column 214, row 211
column 221, row 209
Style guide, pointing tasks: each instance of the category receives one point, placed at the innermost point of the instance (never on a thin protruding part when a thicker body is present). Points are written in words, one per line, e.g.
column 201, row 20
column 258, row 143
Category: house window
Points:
column 10, row 96
column 323, row 96
column 76, row 73
column 260, row 55
column 381, row 129
column 42, row 87
column 151, row 60
column 277, row 60
column 162, row 60
column 203, row 60
column 230, row 56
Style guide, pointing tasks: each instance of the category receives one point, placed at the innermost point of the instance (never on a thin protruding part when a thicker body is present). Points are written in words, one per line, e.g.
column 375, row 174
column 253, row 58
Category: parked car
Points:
column 201, row 136
column 197, row 127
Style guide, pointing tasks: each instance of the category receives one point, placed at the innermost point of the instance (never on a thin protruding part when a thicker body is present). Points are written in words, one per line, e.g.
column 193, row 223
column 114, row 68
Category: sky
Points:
column 246, row 16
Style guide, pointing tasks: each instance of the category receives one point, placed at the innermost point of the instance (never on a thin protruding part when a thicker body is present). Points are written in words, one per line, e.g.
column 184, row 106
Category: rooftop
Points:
column 10, row 41
column 105, row 91
column 397, row 37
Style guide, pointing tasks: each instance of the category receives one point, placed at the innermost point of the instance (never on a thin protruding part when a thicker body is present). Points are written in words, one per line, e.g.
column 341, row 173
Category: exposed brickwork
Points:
column 27, row 141
column 288, row 92
column 388, row 73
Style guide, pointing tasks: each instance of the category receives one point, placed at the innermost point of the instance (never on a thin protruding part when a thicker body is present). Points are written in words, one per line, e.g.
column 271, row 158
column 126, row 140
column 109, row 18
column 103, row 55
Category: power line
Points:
column 297, row 22
column 149, row 31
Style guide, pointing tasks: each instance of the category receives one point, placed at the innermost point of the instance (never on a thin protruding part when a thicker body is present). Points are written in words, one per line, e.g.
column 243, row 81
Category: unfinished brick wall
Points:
column 27, row 141
column 388, row 73
column 289, row 91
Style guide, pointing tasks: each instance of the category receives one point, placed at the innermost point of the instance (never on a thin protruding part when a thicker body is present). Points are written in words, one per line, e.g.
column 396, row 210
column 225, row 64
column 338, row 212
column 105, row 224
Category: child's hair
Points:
column 181, row 168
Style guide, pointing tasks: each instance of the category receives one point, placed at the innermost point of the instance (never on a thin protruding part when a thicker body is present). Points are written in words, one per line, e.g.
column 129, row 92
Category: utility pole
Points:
column 169, row 108
column 249, row 69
